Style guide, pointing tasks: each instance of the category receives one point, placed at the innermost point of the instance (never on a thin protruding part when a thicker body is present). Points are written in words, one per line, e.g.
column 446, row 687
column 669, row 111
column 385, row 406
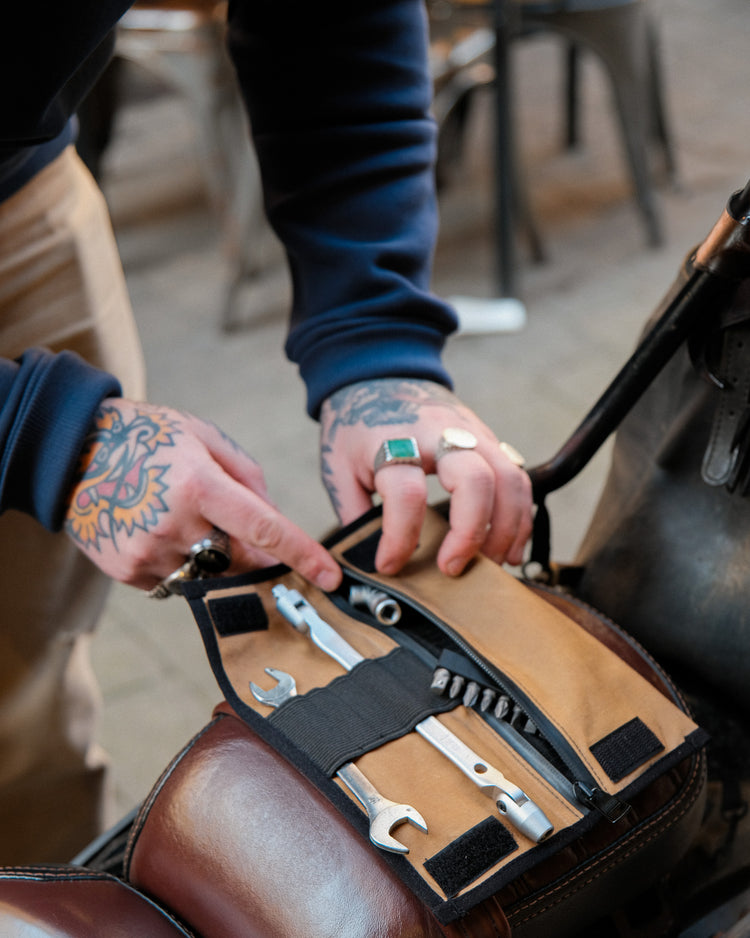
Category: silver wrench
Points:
column 510, row 800
column 384, row 815
column 285, row 688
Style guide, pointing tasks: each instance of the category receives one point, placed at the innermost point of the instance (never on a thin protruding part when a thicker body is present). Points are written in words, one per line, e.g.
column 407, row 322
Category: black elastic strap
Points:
column 459, row 664
column 379, row 700
column 541, row 536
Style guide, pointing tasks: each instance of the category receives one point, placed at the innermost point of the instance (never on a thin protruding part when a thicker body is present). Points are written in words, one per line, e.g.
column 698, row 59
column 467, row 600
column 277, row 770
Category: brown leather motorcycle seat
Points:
column 72, row 902
column 236, row 842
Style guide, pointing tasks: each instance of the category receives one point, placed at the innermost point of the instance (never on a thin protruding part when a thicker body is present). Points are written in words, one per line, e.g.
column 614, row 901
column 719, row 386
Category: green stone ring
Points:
column 401, row 452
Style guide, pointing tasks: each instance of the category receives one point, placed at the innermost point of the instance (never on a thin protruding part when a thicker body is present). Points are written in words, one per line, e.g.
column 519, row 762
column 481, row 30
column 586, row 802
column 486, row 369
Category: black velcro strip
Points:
column 378, row 700
column 362, row 555
column 624, row 749
column 234, row 615
column 469, row 856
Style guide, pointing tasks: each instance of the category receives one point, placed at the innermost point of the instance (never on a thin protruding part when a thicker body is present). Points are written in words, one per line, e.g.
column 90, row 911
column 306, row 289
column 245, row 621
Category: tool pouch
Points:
column 590, row 730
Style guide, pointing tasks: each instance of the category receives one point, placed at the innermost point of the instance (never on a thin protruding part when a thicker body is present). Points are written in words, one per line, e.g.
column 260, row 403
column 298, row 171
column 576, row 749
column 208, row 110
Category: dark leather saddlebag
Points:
column 667, row 553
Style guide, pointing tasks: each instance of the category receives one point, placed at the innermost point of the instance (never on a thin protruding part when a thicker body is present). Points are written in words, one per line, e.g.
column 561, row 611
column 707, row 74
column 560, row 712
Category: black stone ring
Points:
column 212, row 554
column 208, row 557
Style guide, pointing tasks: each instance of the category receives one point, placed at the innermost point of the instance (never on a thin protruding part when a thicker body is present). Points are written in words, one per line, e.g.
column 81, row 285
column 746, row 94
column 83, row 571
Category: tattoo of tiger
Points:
column 121, row 485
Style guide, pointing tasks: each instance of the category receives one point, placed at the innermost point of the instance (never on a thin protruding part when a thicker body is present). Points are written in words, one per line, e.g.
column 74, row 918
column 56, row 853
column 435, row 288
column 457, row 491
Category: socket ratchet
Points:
column 510, row 800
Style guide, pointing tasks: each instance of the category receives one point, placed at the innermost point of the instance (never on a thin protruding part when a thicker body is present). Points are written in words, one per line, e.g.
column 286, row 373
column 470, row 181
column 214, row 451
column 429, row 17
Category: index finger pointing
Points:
column 253, row 521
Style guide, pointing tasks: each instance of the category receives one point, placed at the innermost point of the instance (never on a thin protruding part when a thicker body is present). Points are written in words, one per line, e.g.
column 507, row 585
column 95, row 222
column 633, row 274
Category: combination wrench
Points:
column 510, row 800
column 384, row 815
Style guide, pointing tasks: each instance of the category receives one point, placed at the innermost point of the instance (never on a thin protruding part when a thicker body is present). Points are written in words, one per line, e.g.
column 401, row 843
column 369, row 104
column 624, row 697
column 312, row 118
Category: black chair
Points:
column 623, row 35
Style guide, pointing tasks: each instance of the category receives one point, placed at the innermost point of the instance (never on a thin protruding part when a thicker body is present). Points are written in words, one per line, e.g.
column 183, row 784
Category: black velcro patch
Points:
column 624, row 749
column 470, row 855
column 235, row 615
column 362, row 555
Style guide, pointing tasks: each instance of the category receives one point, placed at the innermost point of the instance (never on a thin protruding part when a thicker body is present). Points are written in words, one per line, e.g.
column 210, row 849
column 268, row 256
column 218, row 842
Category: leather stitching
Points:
column 615, row 855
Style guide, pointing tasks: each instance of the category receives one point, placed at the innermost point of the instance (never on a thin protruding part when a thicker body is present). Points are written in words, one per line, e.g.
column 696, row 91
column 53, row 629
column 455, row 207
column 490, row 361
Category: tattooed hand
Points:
column 491, row 503
column 153, row 481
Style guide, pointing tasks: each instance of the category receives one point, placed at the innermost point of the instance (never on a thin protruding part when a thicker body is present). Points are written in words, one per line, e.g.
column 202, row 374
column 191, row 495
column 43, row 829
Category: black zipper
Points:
column 577, row 785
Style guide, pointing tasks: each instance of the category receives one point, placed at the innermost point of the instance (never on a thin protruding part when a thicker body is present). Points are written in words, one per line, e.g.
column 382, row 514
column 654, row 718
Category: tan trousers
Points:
column 62, row 287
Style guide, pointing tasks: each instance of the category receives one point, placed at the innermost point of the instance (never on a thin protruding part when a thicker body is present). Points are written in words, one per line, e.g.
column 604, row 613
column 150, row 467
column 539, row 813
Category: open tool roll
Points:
column 587, row 771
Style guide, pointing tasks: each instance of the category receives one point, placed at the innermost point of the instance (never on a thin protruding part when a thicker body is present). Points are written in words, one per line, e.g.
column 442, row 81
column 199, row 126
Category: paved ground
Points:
column 585, row 307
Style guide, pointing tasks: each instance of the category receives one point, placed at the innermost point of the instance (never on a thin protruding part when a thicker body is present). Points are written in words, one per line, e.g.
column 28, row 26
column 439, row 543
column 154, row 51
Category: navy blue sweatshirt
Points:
column 338, row 95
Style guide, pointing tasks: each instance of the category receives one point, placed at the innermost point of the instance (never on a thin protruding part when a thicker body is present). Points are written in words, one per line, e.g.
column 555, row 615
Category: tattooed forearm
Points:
column 383, row 402
column 121, row 482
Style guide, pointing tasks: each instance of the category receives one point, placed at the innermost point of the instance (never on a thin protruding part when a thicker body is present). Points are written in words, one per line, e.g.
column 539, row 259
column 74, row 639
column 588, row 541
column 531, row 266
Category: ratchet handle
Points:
column 527, row 818
column 511, row 801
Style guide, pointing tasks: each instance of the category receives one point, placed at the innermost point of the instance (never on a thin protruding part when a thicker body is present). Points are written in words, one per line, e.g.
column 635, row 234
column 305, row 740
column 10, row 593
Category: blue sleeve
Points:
column 338, row 95
column 47, row 403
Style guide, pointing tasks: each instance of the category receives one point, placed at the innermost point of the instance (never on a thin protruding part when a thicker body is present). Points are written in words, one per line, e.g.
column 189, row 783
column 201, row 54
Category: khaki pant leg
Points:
column 62, row 287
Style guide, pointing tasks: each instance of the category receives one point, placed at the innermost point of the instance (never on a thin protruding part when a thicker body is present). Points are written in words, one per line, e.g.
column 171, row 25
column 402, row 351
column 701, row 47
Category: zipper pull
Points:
column 608, row 805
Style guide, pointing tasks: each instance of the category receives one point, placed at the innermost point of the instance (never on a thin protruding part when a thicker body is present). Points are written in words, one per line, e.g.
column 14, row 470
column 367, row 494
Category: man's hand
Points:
column 491, row 502
column 153, row 481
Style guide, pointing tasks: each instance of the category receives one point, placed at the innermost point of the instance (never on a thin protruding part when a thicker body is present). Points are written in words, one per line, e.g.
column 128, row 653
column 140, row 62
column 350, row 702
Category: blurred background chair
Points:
column 181, row 43
column 623, row 36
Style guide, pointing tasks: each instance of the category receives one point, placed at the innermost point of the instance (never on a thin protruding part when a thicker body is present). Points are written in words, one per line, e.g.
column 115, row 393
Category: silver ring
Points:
column 454, row 438
column 400, row 452
column 207, row 557
column 513, row 455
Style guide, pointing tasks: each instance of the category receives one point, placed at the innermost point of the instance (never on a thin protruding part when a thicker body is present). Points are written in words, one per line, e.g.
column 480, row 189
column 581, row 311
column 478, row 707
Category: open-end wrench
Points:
column 384, row 815
column 284, row 689
column 510, row 800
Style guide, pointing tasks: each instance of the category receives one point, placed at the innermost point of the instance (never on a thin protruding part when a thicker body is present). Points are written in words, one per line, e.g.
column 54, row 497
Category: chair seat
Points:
column 237, row 842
